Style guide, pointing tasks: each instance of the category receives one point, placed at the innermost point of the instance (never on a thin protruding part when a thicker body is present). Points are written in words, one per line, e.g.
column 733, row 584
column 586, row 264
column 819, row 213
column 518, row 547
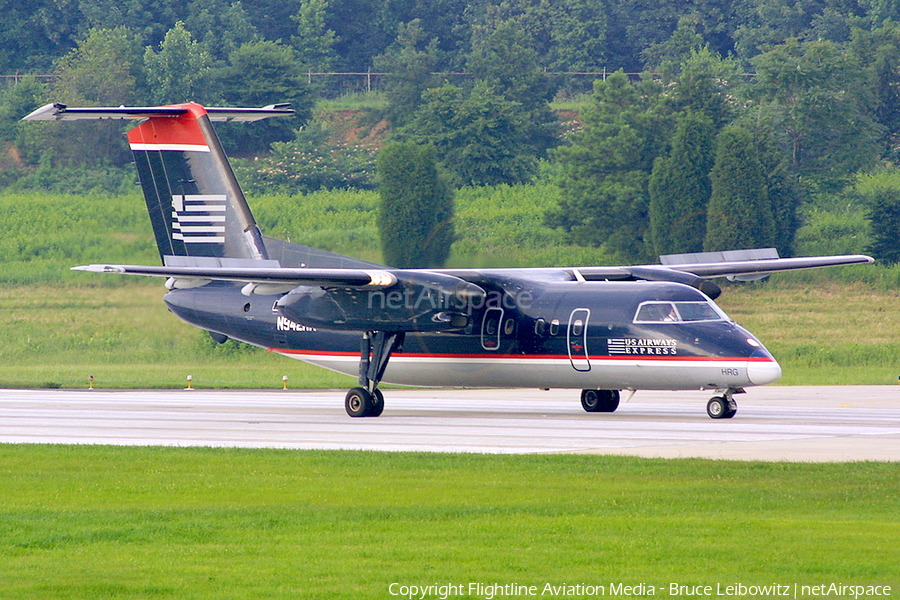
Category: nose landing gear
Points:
column 724, row 406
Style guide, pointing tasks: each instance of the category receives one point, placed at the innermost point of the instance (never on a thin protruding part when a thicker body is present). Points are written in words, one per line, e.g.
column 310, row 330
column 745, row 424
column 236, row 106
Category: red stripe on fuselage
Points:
column 565, row 357
column 182, row 130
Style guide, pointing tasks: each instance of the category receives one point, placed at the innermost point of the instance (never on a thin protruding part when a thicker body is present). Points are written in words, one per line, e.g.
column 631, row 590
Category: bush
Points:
column 416, row 214
column 308, row 163
column 881, row 194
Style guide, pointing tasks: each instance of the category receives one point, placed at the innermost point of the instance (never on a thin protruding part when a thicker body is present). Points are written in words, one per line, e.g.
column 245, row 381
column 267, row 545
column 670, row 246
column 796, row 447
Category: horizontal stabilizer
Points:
column 61, row 112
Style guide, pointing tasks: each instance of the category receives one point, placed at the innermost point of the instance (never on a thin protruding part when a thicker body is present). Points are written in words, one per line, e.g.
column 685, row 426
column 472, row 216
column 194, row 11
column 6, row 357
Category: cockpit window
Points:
column 674, row 312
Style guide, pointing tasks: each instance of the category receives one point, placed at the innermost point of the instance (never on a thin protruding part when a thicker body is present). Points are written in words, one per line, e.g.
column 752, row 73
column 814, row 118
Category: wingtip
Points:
column 48, row 112
column 99, row 269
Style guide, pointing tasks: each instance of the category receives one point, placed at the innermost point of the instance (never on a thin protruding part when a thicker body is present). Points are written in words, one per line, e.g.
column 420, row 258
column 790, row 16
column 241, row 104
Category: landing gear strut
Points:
column 600, row 400
column 374, row 352
column 722, row 407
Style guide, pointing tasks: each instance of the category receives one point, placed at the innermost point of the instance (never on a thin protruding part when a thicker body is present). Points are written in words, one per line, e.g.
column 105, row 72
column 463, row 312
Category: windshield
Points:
column 678, row 312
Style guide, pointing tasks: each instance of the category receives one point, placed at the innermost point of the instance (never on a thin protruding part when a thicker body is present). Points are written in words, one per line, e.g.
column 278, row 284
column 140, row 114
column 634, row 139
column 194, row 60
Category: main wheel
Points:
column 377, row 404
column 600, row 400
column 717, row 407
column 612, row 401
column 592, row 400
column 732, row 409
column 358, row 402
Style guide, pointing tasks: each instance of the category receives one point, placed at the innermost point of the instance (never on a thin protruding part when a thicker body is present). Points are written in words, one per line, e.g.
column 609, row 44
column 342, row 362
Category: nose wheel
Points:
column 721, row 407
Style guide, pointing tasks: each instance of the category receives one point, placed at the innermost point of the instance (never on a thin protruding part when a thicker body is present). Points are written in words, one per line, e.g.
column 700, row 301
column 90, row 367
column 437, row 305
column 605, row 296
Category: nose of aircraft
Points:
column 763, row 372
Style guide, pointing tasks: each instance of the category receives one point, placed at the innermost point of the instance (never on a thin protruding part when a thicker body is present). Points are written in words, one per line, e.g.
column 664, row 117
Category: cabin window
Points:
column 577, row 327
column 554, row 326
column 675, row 312
column 509, row 327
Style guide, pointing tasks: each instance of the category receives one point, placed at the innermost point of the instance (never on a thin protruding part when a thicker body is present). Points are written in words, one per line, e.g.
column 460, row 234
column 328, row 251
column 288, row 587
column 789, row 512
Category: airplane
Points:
column 599, row 329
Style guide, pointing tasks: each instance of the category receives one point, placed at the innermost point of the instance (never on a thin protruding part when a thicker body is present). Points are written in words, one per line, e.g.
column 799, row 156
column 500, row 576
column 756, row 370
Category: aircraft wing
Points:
column 697, row 273
column 766, row 266
column 361, row 278
column 272, row 279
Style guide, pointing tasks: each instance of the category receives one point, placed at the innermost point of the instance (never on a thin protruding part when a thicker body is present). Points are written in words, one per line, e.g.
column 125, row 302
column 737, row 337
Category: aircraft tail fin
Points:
column 195, row 203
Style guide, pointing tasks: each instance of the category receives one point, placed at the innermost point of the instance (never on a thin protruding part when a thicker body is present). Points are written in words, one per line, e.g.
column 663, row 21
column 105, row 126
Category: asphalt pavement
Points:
column 809, row 424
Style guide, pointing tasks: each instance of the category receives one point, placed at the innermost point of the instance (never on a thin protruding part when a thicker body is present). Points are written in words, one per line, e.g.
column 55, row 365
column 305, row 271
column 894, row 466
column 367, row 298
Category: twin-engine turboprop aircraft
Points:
column 598, row 329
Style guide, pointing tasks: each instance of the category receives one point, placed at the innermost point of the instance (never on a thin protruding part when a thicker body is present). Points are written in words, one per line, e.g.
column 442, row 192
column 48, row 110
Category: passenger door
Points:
column 576, row 339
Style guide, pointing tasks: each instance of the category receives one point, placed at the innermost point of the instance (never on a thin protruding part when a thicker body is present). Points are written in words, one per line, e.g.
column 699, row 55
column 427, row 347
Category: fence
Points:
column 335, row 84
column 368, row 81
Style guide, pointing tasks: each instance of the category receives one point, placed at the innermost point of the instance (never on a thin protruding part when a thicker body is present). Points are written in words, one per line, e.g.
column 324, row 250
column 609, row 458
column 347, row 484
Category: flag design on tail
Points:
column 199, row 219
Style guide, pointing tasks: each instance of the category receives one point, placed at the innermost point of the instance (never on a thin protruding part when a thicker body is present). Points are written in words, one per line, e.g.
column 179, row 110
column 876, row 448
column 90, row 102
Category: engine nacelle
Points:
column 419, row 301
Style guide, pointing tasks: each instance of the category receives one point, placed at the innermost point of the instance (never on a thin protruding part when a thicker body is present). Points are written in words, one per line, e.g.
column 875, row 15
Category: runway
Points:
column 808, row 424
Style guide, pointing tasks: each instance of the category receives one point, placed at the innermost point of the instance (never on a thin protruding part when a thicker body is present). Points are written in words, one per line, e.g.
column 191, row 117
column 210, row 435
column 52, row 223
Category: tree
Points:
column 259, row 74
column 410, row 61
column 739, row 215
column 603, row 174
column 704, row 83
column 179, row 71
column 314, row 160
column 100, row 71
column 314, row 41
column 784, row 194
column 415, row 217
column 814, row 96
column 684, row 41
column 16, row 102
column 680, row 187
column 567, row 35
column 480, row 136
column 879, row 53
column 503, row 56
column 579, row 32
column 220, row 26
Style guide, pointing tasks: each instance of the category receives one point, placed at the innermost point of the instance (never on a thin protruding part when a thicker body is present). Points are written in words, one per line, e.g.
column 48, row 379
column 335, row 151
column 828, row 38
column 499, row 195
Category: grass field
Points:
column 115, row 523
column 823, row 332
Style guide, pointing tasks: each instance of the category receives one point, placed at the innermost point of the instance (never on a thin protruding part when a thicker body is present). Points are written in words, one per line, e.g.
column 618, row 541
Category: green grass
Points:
column 823, row 332
column 101, row 522
column 496, row 226
column 123, row 335
column 352, row 101
column 45, row 234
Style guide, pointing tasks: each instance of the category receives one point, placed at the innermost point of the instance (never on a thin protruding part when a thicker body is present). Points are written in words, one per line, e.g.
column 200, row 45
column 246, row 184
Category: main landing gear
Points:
column 374, row 352
column 724, row 406
column 600, row 400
